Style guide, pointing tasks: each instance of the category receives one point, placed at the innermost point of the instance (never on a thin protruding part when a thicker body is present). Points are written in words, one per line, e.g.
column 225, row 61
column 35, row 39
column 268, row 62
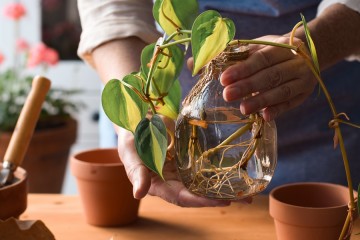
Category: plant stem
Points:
column 282, row 45
column 179, row 32
column 174, row 43
column 342, row 147
column 232, row 137
column 236, row 134
column 333, row 110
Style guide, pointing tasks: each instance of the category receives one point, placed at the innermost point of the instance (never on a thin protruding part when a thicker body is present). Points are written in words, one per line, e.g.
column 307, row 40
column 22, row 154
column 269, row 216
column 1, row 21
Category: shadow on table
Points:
column 155, row 229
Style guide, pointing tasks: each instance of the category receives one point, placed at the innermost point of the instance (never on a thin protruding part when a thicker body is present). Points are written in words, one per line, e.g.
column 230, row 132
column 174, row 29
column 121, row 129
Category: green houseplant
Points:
column 155, row 86
column 55, row 117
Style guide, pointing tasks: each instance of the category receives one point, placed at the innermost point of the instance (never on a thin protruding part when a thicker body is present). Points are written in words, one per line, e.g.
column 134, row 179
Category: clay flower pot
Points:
column 105, row 191
column 46, row 157
column 13, row 197
column 309, row 210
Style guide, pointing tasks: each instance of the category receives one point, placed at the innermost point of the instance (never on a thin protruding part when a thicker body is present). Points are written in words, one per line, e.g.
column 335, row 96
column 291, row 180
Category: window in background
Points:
column 61, row 27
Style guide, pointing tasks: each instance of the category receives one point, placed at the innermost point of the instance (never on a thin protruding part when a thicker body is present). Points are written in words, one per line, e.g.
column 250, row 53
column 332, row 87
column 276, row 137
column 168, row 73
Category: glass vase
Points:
column 221, row 153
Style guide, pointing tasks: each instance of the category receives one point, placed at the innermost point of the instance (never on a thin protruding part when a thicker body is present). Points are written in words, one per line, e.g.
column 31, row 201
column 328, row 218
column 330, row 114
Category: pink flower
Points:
column 1, row 58
column 22, row 45
column 14, row 11
column 41, row 54
column 51, row 56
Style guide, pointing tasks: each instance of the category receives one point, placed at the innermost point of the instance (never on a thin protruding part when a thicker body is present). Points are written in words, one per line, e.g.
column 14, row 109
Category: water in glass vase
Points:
column 221, row 153
column 213, row 164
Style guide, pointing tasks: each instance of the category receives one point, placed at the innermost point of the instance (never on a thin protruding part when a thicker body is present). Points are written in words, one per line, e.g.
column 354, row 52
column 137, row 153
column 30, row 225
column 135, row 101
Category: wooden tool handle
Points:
column 26, row 123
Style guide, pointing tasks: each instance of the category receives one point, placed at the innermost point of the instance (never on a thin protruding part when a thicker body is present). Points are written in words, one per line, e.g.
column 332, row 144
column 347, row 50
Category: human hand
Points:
column 146, row 182
column 272, row 78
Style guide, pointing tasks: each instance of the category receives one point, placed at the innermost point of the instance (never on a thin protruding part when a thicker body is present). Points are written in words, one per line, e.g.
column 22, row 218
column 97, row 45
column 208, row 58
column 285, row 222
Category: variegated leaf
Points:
column 172, row 15
column 167, row 68
column 172, row 102
column 210, row 35
column 122, row 105
column 151, row 143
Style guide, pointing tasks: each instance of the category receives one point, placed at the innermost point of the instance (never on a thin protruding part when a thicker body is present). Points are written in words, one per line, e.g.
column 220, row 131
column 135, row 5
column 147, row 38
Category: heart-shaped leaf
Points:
column 172, row 102
column 210, row 35
column 172, row 15
column 123, row 105
column 151, row 143
column 167, row 68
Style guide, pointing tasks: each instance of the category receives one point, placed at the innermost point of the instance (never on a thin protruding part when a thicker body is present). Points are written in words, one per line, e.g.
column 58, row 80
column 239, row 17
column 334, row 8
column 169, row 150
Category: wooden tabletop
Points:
column 158, row 220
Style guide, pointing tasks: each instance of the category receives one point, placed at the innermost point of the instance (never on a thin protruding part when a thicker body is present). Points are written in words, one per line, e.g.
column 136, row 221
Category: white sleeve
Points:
column 106, row 20
column 352, row 4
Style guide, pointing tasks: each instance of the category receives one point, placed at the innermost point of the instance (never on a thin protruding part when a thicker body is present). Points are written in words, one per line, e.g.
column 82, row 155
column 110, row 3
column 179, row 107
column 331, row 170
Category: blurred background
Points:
column 56, row 24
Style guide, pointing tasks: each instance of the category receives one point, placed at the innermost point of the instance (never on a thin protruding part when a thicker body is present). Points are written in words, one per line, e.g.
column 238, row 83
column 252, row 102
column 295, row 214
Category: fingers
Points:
column 174, row 192
column 272, row 78
column 190, row 63
column 274, row 111
column 137, row 173
column 264, row 79
column 263, row 58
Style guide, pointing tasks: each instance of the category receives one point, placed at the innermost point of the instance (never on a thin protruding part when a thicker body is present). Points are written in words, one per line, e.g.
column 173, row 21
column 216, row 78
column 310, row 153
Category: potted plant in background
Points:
column 56, row 131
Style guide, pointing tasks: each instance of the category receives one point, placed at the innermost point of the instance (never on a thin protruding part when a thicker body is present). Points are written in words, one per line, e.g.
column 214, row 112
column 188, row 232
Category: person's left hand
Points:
column 272, row 78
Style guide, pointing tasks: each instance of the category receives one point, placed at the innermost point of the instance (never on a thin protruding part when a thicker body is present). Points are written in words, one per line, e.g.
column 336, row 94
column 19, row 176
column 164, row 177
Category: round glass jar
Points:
column 221, row 153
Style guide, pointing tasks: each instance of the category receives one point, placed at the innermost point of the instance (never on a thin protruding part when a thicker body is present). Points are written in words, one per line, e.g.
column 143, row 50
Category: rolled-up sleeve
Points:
column 352, row 4
column 106, row 20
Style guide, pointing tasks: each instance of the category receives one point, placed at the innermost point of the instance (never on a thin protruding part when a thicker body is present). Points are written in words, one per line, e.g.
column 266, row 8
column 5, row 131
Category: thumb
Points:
column 137, row 172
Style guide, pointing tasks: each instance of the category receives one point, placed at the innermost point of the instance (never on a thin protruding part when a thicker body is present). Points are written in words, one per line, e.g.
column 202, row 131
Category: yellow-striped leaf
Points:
column 122, row 105
column 151, row 143
column 172, row 15
column 167, row 68
column 210, row 35
column 172, row 102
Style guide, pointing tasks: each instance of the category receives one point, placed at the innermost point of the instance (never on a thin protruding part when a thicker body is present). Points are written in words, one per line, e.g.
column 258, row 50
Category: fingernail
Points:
column 135, row 188
column 242, row 109
column 228, row 76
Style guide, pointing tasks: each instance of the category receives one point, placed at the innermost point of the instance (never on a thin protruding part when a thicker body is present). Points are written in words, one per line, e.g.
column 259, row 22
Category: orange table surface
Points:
column 63, row 215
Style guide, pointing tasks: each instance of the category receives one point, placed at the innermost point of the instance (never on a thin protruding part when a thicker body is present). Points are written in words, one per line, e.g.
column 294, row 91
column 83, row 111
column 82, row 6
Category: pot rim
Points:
column 20, row 174
column 334, row 185
column 76, row 160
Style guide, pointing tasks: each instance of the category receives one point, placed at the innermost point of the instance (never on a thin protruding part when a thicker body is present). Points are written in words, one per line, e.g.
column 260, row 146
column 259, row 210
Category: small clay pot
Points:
column 105, row 191
column 309, row 210
column 13, row 197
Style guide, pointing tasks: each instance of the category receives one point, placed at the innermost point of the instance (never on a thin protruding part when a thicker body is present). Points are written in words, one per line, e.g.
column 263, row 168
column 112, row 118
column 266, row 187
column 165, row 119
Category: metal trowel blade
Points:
column 6, row 177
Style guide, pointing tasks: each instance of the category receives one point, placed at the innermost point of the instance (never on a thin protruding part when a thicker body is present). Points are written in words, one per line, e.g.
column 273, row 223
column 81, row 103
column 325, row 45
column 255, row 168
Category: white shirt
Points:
column 106, row 20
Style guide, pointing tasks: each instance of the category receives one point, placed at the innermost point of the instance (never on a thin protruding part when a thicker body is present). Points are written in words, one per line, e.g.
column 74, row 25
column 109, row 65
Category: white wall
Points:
column 67, row 74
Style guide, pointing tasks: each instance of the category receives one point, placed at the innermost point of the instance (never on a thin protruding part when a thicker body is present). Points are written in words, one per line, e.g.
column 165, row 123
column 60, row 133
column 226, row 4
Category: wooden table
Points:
column 158, row 220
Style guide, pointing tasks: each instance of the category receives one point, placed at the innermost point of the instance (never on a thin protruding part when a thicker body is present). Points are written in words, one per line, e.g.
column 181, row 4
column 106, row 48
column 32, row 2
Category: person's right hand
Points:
column 146, row 182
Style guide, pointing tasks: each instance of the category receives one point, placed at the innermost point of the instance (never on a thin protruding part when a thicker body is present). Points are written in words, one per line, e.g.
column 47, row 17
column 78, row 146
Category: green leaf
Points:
column 311, row 45
column 122, row 105
column 172, row 102
column 210, row 35
column 151, row 143
column 172, row 15
column 166, row 70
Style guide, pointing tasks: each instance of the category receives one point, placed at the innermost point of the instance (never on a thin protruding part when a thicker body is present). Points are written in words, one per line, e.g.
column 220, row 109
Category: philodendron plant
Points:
column 155, row 88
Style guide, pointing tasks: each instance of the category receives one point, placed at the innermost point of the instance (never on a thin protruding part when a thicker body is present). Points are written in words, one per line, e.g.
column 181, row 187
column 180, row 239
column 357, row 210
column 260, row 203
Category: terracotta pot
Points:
column 47, row 156
column 105, row 191
column 309, row 210
column 13, row 197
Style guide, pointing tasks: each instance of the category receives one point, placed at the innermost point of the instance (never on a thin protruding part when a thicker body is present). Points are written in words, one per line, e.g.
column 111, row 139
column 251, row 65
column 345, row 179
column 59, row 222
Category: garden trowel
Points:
column 24, row 129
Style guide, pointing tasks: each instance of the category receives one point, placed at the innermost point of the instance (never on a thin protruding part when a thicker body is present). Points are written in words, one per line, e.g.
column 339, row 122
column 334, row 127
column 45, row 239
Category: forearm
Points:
column 336, row 34
column 117, row 58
